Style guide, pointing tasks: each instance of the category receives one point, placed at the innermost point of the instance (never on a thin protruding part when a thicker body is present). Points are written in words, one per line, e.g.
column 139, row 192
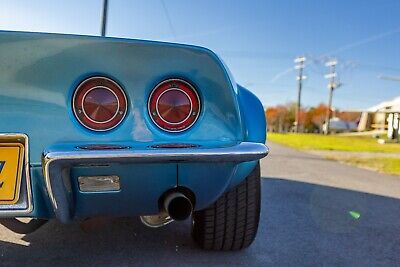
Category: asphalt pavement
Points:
column 314, row 212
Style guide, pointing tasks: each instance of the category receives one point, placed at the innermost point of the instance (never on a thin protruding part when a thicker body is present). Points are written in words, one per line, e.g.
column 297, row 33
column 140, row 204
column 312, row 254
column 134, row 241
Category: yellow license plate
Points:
column 11, row 163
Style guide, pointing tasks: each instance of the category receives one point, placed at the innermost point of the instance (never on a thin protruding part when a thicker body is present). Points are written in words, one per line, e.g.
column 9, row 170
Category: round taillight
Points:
column 174, row 105
column 99, row 103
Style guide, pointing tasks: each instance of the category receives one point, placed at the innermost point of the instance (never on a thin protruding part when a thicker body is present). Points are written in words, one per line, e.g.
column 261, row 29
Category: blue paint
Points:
column 41, row 204
column 208, row 181
column 253, row 116
column 40, row 71
column 141, row 187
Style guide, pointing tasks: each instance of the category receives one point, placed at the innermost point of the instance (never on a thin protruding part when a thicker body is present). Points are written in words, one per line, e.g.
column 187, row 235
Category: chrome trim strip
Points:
column 54, row 161
column 245, row 151
column 24, row 139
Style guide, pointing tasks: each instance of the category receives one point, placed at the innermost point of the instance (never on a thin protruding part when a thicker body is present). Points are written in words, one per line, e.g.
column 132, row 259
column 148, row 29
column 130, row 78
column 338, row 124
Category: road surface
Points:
column 314, row 212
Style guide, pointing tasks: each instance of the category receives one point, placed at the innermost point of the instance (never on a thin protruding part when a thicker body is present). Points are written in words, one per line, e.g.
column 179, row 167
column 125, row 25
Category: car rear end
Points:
column 102, row 126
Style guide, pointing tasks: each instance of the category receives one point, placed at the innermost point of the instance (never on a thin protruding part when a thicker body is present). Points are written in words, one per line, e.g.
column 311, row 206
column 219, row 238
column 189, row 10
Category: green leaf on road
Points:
column 354, row 214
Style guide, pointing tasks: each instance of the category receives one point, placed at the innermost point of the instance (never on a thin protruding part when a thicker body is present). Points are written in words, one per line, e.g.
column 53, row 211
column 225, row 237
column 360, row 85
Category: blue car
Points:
column 94, row 126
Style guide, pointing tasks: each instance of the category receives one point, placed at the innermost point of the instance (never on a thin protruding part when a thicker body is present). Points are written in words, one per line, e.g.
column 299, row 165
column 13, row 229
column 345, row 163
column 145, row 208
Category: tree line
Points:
column 281, row 118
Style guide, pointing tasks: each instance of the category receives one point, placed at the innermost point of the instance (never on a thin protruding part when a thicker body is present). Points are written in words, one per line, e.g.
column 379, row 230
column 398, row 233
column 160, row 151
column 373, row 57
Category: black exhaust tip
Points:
column 178, row 206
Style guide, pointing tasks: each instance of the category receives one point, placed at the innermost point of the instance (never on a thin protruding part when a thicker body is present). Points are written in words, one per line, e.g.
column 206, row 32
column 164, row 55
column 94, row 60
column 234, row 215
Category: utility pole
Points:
column 104, row 18
column 300, row 66
column 332, row 85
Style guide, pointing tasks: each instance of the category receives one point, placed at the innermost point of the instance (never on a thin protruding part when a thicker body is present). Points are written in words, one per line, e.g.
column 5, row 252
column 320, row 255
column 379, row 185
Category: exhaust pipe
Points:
column 178, row 206
column 175, row 206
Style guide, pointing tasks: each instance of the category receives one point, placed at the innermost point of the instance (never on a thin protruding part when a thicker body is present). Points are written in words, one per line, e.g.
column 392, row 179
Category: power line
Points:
column 171, row 26
column 390, row 78
column 253, row 54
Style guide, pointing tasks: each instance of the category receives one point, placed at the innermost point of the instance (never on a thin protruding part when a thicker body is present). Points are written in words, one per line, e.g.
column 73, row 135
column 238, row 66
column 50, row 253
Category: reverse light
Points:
column 174, row 105
column 99, row 183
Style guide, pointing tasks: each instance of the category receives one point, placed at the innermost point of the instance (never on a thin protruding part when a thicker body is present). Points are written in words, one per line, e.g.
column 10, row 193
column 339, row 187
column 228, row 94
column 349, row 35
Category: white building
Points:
column 384, row 116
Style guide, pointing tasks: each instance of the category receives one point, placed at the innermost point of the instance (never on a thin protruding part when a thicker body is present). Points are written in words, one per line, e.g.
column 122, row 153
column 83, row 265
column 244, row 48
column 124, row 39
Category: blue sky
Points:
column 257, row 39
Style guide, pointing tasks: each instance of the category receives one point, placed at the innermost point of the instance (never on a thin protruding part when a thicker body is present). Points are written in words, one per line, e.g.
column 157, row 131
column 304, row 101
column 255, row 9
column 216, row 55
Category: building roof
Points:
column 387, row 106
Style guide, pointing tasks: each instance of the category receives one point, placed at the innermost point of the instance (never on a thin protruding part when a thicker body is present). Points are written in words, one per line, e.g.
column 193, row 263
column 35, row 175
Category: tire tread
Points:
column 231, row 223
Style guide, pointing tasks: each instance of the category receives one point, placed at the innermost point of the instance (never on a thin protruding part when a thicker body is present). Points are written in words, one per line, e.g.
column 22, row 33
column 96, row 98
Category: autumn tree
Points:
column 281, row 118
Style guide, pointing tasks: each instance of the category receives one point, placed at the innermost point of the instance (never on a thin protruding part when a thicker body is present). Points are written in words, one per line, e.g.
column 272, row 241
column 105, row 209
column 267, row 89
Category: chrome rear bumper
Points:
column 241, row 152
column 56, row 163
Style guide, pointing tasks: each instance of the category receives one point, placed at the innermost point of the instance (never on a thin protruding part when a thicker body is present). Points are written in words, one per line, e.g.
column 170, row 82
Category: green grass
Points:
column 385, row 165
column 332, row 142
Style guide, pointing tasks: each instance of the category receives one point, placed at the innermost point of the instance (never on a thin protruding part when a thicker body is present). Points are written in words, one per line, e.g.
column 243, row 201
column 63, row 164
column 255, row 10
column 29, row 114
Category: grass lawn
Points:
column 385, row 165
column 332, row 142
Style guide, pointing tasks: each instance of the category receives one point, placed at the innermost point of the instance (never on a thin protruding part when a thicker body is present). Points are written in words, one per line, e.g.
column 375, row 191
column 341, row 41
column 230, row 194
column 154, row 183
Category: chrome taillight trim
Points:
column 197, row 114
column 125, row 111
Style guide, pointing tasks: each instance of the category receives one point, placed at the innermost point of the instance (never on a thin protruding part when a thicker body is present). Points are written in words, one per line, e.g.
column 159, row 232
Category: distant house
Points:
column 383, row 116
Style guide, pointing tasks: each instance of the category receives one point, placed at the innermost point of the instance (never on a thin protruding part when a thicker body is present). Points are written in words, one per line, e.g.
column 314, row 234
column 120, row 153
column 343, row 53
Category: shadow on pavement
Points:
column 301, row 224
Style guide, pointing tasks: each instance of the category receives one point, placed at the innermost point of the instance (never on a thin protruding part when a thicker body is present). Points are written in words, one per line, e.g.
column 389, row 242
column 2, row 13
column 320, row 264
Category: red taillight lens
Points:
column 174, row 105
column 99, row 104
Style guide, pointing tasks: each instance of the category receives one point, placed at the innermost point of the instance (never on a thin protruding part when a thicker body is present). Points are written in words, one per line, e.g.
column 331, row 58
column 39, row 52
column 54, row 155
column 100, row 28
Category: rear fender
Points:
column 254, row 123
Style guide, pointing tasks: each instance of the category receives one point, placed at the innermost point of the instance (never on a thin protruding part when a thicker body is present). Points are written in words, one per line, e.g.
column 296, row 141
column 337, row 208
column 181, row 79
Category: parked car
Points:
column 340, row 126
column 95, row 126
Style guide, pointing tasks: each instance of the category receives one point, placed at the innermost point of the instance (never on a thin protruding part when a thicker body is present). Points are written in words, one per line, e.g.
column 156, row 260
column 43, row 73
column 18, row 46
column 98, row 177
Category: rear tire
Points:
column 231, row 223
